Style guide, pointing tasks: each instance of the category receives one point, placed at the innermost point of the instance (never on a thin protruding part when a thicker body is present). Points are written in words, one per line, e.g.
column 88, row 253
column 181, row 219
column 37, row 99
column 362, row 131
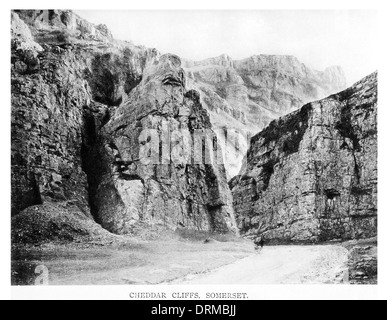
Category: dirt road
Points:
column 182, row 262
column 133, row 263
column 281, row 265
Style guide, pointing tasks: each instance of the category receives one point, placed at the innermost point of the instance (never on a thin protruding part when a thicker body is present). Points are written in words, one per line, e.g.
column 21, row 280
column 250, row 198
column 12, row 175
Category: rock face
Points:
column 312, row 175
column 48, row 95
column 129, row 136
column 142, row 170
column 54, row 84
column 64, row 20
column 363, row 264
column 80, row 102
column 246, row 95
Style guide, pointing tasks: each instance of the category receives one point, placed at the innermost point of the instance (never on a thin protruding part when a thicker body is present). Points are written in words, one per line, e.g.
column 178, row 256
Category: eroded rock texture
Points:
column 48, row 95
column 80, row 100
column 56, row 78
column 312, row 175
column 246, row 95
column 130, row 186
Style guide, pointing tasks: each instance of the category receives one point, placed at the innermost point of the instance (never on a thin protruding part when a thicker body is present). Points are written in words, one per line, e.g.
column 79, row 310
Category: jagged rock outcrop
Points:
column 143, row 160
column 246, row 95
column 283, row 83
column 64, row 20
column 312, row 175
column 56, row 81
column 71, row 84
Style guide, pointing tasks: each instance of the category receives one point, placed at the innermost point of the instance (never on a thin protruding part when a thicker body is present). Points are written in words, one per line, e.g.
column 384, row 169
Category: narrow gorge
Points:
column 116, row 144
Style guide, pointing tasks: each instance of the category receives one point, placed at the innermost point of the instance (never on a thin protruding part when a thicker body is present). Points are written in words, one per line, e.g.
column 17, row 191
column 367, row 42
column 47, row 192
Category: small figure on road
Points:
column 259, row 244
column 262, row 242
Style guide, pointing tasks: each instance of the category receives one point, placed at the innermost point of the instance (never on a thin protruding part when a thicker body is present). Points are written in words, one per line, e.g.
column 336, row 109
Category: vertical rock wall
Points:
column 143, row 160
column 312, row 175
column 83, row 109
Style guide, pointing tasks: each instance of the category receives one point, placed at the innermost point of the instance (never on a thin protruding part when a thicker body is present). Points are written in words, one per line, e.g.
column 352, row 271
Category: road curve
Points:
column 281, row 265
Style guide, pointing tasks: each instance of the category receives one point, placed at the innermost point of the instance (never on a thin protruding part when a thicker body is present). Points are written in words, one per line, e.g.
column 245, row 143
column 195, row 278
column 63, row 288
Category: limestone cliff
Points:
column 246, row 95
column 56, row 76
column 143, row 166
column 79, row 102
column 242, row 97
column 312, row 175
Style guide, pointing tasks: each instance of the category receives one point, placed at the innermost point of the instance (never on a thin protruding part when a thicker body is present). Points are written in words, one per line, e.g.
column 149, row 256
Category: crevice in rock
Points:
column 356, row 169
column 332, row 194
column 90, row 163
column 359, row 191
column 131, row 177
column 345, row 128
column 267, row 172
column 173, row 80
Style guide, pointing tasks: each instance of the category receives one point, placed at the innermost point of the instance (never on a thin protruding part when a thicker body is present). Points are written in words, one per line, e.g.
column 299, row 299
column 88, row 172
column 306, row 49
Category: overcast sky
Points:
column 318, row 38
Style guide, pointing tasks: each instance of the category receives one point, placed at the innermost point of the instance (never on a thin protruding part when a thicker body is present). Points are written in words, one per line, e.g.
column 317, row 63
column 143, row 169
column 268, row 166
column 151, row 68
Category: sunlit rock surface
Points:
column 312, row 175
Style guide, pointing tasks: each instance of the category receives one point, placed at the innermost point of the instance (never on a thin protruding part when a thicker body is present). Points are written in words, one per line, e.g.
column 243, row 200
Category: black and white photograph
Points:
column 184, row 148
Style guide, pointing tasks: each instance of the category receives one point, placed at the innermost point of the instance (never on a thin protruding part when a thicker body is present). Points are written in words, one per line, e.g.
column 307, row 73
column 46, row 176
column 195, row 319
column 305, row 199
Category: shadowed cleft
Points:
column 358, row 191
column 267, row 172
column 174, row 80
column 332, row 194
column 292, row 127
column 345, row 128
